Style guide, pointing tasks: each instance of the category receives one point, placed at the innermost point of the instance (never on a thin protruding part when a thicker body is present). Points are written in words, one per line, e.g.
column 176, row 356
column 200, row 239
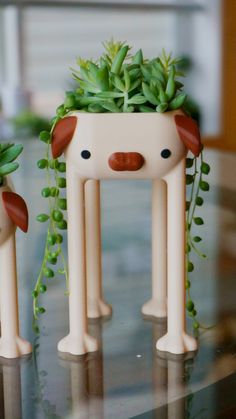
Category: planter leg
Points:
column 11, row 344
column 77, row 342
column 176, row 340
column 157, row 305
column 96, row 307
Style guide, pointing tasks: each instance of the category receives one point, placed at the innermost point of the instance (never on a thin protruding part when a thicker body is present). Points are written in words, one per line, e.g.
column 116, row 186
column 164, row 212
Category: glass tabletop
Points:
column 127, row 377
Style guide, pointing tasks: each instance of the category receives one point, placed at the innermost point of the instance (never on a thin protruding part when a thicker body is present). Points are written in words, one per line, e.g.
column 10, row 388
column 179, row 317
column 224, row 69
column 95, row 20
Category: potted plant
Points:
column 127, row 119
column 13, row 212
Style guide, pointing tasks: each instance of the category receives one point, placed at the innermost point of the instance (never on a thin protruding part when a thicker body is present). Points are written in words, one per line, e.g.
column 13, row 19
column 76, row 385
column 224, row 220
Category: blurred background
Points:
column 39, row 42
column 41, row 39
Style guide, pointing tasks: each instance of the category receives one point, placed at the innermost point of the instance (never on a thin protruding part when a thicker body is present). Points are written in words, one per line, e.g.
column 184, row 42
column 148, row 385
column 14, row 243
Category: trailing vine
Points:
column 53, row 252
column 117, row 82
column 197, row 168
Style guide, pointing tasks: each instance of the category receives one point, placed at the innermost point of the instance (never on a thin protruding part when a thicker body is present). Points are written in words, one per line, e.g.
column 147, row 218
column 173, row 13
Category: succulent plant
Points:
column 8, row 155
column 121, row 82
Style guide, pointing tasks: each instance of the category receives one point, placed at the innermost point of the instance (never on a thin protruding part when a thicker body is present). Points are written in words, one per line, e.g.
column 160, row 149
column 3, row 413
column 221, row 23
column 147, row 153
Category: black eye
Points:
column 85, row 154
column 165, row 153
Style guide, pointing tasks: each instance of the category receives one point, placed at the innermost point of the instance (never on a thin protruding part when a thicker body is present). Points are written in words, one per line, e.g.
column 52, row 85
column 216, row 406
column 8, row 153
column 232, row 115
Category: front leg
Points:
column 157, row 305
column 176, row 340
column 96, row 306
column 11, row 344
column 78, row 342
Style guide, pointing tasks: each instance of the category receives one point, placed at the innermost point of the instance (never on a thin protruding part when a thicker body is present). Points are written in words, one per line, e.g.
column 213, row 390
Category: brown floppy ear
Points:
column 16, row 209
column 189, row 134
column 62, row 135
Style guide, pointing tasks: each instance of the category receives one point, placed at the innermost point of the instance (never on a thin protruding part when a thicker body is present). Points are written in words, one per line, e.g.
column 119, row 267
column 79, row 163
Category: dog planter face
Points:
column 126, row 146
column 138, row 146
column 13, row 213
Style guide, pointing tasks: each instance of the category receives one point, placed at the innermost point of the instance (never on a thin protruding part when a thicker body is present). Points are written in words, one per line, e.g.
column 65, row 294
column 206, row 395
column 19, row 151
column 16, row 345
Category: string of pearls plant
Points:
column 196, row 169
column 53, row 252
column 117, row 82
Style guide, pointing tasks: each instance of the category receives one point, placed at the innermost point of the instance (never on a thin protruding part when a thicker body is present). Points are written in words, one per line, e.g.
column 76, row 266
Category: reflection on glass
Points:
column 170, row 375
column 170, row 379
column 100, row 386
column 86, row 379
column 10, row 384
column 40, row 398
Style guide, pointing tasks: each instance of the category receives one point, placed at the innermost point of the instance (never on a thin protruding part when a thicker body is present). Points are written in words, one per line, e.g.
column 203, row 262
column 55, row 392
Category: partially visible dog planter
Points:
column 13, row 213
column 126, row 146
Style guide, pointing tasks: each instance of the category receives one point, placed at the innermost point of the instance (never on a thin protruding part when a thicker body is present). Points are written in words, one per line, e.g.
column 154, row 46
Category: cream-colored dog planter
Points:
column 126, row 146
column 13, row 212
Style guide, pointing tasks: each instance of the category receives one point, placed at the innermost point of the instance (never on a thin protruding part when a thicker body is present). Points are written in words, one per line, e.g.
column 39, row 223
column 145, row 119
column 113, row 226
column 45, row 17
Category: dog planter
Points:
column 126, row 146
column 13, row 213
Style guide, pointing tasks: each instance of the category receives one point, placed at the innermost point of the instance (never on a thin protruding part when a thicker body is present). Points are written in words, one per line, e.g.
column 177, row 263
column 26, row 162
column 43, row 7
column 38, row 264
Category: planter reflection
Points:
column 87, row 380
column 170, row 381
column 11, row 394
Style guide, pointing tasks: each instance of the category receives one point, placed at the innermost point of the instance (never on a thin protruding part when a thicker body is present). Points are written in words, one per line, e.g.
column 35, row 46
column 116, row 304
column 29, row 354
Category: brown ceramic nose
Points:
column 126, row 161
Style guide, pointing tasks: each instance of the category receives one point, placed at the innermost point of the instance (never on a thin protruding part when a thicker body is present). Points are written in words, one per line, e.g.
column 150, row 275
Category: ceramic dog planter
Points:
column 13, row 213
column 126, row 146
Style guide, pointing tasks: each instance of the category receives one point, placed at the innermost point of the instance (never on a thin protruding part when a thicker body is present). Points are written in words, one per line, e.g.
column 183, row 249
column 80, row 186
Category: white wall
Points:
column 52, row 46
